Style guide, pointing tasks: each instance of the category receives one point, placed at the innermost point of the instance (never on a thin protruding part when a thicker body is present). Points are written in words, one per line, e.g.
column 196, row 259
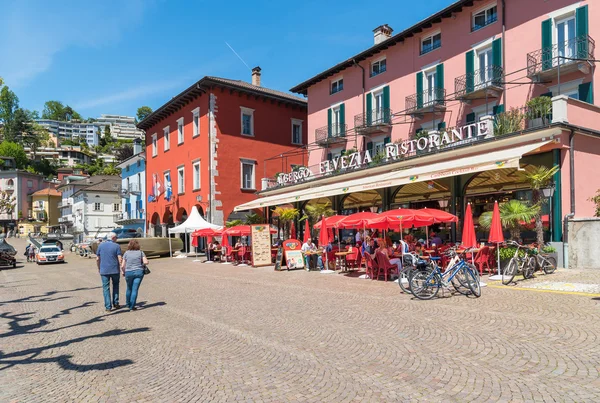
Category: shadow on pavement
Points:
column 44, row 297
column 28, row 356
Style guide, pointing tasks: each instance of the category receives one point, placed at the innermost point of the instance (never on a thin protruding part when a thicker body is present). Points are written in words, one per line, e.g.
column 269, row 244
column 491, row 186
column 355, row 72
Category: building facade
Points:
column 65, row 156
column 133, row 190
column 121, row 127
column 45, row 212
column 19, row 185
column 88, row 205
column 205, row 146
column 74, row 131
column 451, row 110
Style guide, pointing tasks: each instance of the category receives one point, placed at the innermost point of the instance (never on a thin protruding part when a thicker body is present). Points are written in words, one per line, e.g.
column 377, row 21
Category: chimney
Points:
column 137, row 146
column 382, row 33
column 256, row 76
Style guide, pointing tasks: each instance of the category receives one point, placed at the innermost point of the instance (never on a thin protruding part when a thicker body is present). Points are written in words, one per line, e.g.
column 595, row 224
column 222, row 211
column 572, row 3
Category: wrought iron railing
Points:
column 581, row 47
column 134, row 188
column 375, row 117
column 479, row 79
column 490, row 20
column 425, row 99
column 329, row 133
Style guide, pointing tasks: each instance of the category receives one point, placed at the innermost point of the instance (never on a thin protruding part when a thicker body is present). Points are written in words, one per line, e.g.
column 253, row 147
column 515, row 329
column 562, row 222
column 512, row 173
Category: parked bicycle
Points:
column 539, row 261
column 521, row 263
column 461, row 274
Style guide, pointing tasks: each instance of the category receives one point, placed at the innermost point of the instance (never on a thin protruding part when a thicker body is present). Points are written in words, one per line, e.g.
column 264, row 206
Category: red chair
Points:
column 226, row 254
column 482, row 259
column 372, row 267
column 353, row 259
column 383, row 264
column 242, row 255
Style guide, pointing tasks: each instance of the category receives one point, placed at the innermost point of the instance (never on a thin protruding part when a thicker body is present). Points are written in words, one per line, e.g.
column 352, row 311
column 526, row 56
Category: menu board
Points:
column 261, row 245
column 294, row 259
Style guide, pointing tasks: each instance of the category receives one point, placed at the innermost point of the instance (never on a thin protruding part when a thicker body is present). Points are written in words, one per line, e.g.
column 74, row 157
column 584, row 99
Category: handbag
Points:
column 146, row 269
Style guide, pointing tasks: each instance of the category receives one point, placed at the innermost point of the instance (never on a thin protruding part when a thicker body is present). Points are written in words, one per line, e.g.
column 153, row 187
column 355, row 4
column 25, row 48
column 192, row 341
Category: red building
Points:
column 211, row 142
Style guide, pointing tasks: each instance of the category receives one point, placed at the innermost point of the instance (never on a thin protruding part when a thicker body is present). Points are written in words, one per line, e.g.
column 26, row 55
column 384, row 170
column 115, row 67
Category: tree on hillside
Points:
column 107, row 136
column 124, row 152
column 7, row 203
column 9, row 103
column 55, row 110
column 10, row 149
column 143, row 112
column 16, row 126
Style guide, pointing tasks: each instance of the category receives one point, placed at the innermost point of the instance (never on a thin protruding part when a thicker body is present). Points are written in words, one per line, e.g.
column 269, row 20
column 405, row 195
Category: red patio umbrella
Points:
column 468, row 234
column 439, row 216
column 331, row 221
column 243, row 230
column 496, row 235
column 400, row 218
column 306, row 231
column 357, row 220
column 293, row 231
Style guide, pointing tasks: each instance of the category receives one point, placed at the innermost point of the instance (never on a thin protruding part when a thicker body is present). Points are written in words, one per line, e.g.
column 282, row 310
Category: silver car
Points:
column 49, row 254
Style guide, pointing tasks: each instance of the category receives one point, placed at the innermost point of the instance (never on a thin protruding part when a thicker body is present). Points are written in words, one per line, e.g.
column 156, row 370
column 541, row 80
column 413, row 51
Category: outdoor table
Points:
column 313, row 258
column 234, row 253
column 340, row 258
column 216, row 253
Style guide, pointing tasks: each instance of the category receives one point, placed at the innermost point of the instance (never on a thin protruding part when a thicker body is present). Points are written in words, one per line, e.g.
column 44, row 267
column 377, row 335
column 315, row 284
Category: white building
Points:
column 133, row 190
column 74, row 131
column 66, row 156
column 88, row 205
column 121, row 127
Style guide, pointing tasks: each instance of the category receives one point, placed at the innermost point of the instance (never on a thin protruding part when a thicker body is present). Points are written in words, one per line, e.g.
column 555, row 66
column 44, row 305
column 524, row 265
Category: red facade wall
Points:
column 273, row 135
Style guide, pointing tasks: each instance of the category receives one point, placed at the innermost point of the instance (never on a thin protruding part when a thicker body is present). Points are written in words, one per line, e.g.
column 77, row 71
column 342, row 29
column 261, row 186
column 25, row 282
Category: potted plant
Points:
column 512, row 214
column 286, row 216
column 507, row 253
column 540, row 108
column 550, row 251
column 508, row 122
column 539, row 178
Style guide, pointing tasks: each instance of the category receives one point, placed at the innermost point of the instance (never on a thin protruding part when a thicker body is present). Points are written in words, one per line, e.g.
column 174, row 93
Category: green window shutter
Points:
column 586, row 93
column 439, row 83
column 470, row 70
column 329, row 122
column 498, row 109
column 471, row 117
column 387, row 140
column 370, row 146
column 581, row 29
column 497, row 59
column 546, row 44
column 369, row 110
column 419, row 90
column 386, row 104
column 441, row 126
column 342, row 120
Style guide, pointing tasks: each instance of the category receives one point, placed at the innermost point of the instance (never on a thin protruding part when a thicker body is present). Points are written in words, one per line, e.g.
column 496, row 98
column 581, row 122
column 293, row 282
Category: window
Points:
column 139, row 164
column 335, row 122
column 296, row 131
column 431, row 42
column 484, row 17
column 127, row 168
column 247, row 168
column 570, row 89
column 483, row 110
column 167, row 179
column 377, row 107
column 167, row 140
column 247, row 121
column 116, row 206
column 98, row 207
column 430, row 78
column 337, row 85
column 180, row 133
column 196, row 122
column 378, row 67
column 484, row 61
column 565, row 38
column 180, row 180
column 196, row 175
column 29, row 184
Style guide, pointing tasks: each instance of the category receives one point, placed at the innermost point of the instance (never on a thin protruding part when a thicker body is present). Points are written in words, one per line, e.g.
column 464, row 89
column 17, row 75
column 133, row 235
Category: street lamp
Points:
column 443, row 203
column 549, row 190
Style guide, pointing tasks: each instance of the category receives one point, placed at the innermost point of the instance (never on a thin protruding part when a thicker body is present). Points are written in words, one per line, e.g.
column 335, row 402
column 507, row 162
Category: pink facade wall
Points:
column 523, row 35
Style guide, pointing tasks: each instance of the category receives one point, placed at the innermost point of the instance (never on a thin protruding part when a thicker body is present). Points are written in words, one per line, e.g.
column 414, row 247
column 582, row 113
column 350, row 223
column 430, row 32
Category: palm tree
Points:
column 286, row 216
column 512, row 214
column 254, row 218
column 233, row 223
column 318, row 211
column 539, row 177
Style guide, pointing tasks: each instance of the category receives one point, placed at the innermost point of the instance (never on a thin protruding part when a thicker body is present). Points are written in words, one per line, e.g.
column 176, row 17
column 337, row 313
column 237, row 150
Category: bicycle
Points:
column 411, row 264
column 517, row 263
column 425, row 285
column 540, row 262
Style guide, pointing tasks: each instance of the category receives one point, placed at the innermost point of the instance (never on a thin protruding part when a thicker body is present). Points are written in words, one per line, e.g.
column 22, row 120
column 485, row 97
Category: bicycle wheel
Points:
column 425, row 285
column 509, row 272
column 404, row 279
column 472, row 278
column 548, row 264
column 529, row 267
column 459, row 282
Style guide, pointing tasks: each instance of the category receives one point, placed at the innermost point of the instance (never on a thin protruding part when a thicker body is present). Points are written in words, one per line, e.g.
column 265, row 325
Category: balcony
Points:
column 376, row 121
column 128, row 217
column 483, row 83
column 134, row 188
column 428, row 101
column 64, row 205
column 66, row 219
column 546, row 64
column 9, row 188
column 331, row 134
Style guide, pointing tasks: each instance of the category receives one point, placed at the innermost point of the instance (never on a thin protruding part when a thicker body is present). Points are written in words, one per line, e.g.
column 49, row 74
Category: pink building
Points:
column 449, row 110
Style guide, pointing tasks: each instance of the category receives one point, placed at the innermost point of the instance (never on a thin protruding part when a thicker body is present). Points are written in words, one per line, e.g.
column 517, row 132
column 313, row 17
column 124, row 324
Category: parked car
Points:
column 49, row 254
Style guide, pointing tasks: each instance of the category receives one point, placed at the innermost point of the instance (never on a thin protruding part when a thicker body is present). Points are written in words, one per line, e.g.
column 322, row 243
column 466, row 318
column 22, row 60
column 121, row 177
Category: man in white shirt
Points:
column 309, row 246
column 358, row 237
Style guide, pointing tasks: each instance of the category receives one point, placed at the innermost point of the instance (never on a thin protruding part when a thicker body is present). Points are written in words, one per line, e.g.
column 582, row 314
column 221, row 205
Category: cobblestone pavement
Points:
column 224, row 333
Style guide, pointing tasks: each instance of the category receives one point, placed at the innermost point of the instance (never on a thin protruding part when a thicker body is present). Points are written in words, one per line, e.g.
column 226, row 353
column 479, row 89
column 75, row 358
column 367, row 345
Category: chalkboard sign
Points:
column 279, row 259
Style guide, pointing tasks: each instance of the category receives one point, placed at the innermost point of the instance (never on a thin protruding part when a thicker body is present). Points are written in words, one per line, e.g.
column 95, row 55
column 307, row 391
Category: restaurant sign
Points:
column 395, row 151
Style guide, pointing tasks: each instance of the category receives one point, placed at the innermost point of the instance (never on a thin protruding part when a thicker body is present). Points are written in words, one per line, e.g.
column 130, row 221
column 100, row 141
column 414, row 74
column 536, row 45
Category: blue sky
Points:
column 114, row 56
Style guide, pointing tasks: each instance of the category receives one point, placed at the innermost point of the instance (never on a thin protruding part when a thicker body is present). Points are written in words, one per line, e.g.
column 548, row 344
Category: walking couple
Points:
column 131, row 265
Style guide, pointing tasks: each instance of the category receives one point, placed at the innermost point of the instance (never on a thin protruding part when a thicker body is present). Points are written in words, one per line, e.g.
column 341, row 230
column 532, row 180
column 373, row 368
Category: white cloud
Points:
column 33, row 33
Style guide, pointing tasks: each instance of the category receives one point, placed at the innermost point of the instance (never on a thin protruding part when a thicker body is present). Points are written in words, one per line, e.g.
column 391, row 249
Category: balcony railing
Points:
column 560, row 54
column 134, row 188
column 66, row 218
column 471, row 83
column 373, row 119
column 128, row 215
column 63, row 205
column 434, row 97
column 331, row 134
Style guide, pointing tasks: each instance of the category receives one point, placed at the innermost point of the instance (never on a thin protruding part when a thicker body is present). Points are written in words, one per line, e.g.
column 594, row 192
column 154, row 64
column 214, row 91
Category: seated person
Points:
column 368, row 246
column 419, row 249
column 309, row 246
column 238, row 244
column 388, row 252
column 435, row 239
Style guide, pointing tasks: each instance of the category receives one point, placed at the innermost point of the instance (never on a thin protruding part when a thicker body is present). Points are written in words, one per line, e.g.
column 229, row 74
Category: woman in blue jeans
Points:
column 132, row 268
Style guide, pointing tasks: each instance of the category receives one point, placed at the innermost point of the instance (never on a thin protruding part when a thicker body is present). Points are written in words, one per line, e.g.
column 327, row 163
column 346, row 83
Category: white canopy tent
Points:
column 194, row 222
